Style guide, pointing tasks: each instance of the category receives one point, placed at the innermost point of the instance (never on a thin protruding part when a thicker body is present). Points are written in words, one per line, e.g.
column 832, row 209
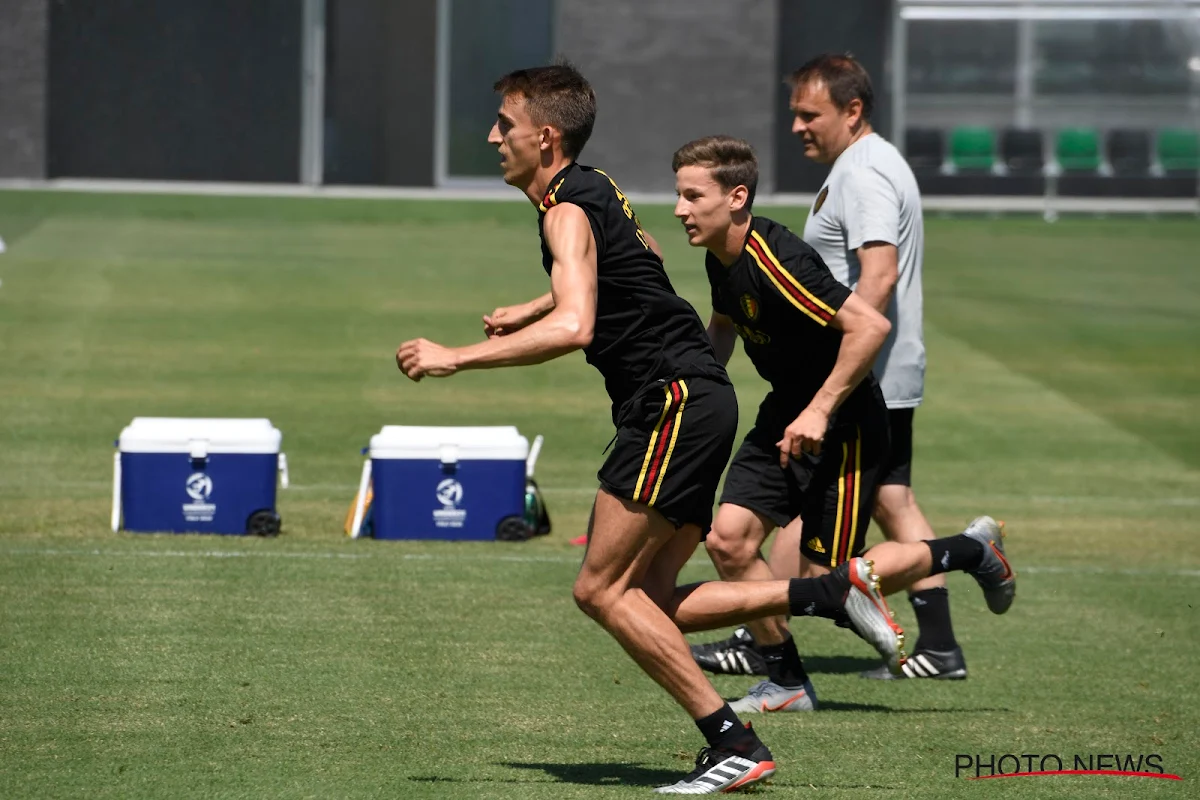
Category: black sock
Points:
column 723, row 730
column 955, row 553
column 932, row 607
column 783, row 663
column 817, row 597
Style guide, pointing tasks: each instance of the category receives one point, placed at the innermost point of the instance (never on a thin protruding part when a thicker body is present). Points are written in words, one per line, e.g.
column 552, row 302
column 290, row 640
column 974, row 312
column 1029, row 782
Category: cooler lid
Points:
column 449, row 445
column 199, row 436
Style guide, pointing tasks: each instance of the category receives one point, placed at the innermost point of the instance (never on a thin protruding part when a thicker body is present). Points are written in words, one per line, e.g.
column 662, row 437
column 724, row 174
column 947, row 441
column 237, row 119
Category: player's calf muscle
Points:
column 716, row 604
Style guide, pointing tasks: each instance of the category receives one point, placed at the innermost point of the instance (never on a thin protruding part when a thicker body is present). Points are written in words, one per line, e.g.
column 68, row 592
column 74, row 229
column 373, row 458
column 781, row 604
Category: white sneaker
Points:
column 767, row 697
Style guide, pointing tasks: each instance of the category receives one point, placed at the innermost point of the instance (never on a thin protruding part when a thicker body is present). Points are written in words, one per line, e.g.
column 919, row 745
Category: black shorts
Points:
column 897, row 470
column 672, row 447
column 834, row 493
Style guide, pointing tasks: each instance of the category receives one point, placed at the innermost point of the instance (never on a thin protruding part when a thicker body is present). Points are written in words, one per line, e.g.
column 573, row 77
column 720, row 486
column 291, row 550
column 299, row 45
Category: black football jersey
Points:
column 644, row 331
column 781, row 298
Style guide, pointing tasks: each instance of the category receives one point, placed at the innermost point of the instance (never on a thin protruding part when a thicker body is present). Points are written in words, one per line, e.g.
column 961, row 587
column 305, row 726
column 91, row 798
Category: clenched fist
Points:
column 418, row 358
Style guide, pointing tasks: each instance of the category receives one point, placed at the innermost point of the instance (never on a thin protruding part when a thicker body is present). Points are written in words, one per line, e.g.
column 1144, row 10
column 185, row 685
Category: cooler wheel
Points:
column 263, row 522
column 513, row 529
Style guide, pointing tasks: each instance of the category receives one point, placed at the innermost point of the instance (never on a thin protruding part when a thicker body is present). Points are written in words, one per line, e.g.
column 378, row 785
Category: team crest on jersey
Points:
column 758, row 337
column 820, row 200
column 750, row 307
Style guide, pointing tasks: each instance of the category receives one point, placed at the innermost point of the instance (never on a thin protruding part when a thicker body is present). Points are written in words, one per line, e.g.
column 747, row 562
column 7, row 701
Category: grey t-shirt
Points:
column 871, row 196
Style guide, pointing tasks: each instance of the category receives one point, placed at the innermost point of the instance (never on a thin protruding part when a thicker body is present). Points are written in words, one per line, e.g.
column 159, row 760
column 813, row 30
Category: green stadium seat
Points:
column 1078, row 150
column 1179, row 150
column 973, row 148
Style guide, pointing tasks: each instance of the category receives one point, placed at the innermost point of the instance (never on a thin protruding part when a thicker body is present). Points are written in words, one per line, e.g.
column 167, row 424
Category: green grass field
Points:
column 1062, row 397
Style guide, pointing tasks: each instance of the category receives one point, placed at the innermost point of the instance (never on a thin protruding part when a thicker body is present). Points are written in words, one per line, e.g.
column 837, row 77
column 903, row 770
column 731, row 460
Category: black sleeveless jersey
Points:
column 781, row 298
column 644, row 331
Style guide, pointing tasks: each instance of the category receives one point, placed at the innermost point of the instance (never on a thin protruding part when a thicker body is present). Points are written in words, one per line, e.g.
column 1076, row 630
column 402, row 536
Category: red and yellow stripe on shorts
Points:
column 662, row 444
column 845, row 526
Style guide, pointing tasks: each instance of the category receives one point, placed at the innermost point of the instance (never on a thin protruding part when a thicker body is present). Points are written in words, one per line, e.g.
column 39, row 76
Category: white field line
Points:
column 696, row 561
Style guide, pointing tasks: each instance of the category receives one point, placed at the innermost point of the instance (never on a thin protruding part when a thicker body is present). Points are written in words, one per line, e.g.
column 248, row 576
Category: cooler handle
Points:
column 116, row 508
column 283, row 472
column 533, row 455
column 198, row 451
column 360, row 502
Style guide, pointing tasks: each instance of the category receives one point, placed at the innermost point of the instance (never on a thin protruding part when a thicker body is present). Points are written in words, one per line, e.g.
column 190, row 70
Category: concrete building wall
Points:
column 174, row 91
column 666, row 72
column 23, row 42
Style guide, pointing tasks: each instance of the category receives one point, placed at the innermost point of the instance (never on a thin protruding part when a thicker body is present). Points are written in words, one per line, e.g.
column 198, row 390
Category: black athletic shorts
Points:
column 834, row 493
column 897, row 470
column 671, row 448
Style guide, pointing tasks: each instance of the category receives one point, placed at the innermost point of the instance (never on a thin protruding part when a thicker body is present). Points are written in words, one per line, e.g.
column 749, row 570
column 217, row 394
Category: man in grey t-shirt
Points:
column 866, row 225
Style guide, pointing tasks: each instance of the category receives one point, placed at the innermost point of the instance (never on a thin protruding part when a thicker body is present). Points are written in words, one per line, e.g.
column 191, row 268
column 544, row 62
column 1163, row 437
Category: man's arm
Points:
column 880, row 271
column 722, row 335
column 871, row 208
column 566, row 328
column 863, row 332
column 509, row 319
column 505, row 320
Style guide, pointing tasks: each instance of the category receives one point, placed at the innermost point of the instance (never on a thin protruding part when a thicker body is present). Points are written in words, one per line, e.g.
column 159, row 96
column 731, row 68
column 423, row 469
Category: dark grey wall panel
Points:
column 805, row 30
column 666, row 72
column 182, row 90
column 23, row 88
column 380, row 83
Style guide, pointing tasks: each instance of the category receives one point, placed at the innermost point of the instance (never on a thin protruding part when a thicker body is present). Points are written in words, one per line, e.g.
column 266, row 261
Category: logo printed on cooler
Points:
column 199, row 487
column 449, row 493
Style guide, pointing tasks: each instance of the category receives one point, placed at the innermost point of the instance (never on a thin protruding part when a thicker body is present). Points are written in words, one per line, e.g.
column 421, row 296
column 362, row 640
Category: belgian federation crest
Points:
column 750, row 307
column 820, row 201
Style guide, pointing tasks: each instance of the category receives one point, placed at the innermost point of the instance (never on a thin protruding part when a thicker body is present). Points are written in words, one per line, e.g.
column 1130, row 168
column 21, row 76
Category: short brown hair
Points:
column 732, row 162
column 556, row 95
column 845, row 78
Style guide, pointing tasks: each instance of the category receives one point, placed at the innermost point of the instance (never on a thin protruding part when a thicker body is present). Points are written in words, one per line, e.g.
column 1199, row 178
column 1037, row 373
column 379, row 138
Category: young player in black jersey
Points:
column 672, row 404
column 822, row 432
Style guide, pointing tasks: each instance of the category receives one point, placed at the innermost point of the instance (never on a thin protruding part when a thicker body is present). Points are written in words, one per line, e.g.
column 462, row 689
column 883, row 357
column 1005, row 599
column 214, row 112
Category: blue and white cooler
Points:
column 446, row 483
column 198, row 476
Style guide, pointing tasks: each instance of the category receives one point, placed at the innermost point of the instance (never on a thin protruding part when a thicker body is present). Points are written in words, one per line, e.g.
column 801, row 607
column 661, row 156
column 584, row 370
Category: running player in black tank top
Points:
column 821, row 433
column 672, row 404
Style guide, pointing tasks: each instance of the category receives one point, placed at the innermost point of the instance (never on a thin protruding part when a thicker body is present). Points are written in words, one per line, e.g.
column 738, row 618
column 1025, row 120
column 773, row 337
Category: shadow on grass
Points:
column 606, row 774
column 582, row 774
column 617, row 775
column 839, row 665
column 834, row 705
